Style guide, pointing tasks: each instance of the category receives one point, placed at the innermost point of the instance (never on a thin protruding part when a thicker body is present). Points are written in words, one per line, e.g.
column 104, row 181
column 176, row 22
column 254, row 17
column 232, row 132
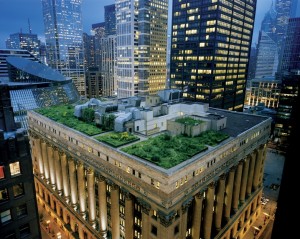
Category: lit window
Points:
column 14, row 168
column 5, row 216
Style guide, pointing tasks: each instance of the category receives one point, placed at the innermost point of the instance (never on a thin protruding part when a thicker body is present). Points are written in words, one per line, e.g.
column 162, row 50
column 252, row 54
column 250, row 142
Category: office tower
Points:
column 271, row 38
column 252, row 63
column 98, row 32
column 267, row 56
column 94, row 83
column 141, row 46
column 110, row 19
column 4, row 53
column 290, row 75
column 89, row 51
column 64, row 44
column 34, row 85
column 173, row 189
column 211, row 42
column 25, row 41
column 18, row 208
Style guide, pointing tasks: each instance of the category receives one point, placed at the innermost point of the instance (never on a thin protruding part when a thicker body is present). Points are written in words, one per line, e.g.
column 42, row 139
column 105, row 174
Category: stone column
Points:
column 73, row 183
column 264, row 154
column 145, row 220
column 38, row 150
column 208, row 211
column 183, row 217
column 65, row 176
column 58, row 171
column 91, row 196
column 51, row 166
column 219, row 203
column 102, row 207
column 45, row 161
column 129, row 216
column 237, row 187
column 81, row 189
column 251, row 173
column 164, row 229
column 244, row 180
column 257, row 168
column 228, row 194
column 115, row 211
column 197, row 216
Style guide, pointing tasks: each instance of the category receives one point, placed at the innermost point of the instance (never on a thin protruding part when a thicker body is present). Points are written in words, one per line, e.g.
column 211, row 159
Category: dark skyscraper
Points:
column 18, row 208
column 211, row 42
column 110, row 19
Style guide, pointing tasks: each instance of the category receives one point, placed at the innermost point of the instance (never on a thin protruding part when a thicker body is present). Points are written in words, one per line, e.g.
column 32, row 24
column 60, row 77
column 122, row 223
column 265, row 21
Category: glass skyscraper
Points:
column 110, row 19
column 141, row 46
column 211, row 42
column 64, row 43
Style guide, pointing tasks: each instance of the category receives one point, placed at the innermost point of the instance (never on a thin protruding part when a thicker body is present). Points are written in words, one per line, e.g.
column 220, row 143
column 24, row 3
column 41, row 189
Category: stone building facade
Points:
column 96, row 191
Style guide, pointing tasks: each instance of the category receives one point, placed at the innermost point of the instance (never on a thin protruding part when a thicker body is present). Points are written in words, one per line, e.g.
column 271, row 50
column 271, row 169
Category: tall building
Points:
column 110, row 19
column 89, row 51
column 290, row 75
column 267, row 56
column 272, row 37
column 141, row 46
column 176, row 188
column 64, row 43
column 25, row 41
column 18, row 207
column 211, row 42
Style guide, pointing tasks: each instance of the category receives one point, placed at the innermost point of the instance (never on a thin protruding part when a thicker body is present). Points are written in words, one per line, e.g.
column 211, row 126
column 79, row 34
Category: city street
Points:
column 272, row 178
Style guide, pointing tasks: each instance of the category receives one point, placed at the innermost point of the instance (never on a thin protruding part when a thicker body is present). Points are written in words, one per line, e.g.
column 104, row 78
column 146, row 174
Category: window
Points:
column 18, row 190
column 3, row 195
column 154, row 230
column 24, row 231
column 2, row 172
column 14, row 169
column 176, row 230
column 22, row 210
column 5, row 216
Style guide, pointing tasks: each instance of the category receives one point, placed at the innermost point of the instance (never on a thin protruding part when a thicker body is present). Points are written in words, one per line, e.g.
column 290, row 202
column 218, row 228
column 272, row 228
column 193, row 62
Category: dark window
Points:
column 22, row 210
column 18, row 190
column 10, row 235
column 24, row 231
column 154, row 230
column 176, row 230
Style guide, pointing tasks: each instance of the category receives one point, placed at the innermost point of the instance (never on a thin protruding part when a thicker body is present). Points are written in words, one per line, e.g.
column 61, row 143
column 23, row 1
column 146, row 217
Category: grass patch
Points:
column 117, row 139
column 64, row 114
column 189, row 121
column 168, row 151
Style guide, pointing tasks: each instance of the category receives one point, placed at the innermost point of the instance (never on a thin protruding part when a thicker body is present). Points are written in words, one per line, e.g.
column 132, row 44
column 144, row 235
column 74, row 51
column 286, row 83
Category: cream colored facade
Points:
column 96, row 191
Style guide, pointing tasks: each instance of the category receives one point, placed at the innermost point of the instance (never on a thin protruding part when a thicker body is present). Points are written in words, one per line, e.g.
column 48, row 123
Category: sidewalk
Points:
column 262, row 227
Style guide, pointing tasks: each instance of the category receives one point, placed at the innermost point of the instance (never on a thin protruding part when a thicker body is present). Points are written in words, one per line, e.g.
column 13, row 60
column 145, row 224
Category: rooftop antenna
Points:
column 29, row 26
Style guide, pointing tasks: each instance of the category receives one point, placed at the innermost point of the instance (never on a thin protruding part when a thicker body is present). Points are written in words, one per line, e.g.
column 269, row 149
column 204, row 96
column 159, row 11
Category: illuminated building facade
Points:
column 95, row 190
column 264, row 90
column 64, row 43
column 141, row 46
column 211, row 42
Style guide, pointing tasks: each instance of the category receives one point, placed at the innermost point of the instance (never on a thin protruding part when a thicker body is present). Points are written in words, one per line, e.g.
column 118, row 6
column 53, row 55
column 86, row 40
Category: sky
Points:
column 14, row 15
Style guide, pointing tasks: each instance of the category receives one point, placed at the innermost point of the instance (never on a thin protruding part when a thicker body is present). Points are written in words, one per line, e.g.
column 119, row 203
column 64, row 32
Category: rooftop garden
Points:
column 168, row 151
column 189, row 121
column 117, row 139
column 64, row 114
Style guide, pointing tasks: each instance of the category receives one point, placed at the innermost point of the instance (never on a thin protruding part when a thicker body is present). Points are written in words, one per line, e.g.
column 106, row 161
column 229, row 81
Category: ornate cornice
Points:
column 166, row 219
